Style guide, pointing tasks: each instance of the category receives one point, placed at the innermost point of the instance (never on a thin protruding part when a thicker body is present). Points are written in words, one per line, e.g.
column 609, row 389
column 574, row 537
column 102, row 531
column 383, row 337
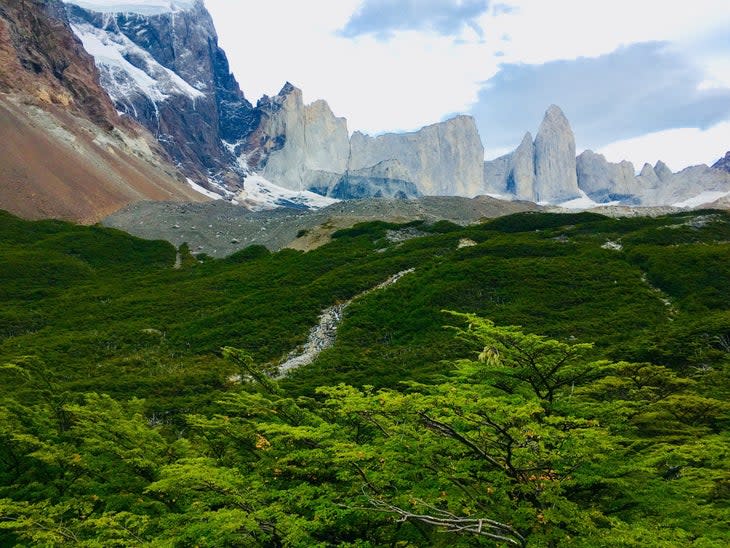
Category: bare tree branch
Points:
column 452, row 523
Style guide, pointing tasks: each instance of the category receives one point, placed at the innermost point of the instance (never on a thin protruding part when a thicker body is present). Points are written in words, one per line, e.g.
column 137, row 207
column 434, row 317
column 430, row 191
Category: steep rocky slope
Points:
column 165, row 70
column 161, row 64
column 65, row 151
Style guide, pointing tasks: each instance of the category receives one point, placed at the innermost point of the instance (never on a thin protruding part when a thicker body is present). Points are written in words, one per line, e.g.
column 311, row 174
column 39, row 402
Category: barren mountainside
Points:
column 66, row 153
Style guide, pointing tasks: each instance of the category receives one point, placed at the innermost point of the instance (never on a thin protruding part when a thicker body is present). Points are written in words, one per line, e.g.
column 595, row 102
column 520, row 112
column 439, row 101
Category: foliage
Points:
column 525, row 443
column 608, row 430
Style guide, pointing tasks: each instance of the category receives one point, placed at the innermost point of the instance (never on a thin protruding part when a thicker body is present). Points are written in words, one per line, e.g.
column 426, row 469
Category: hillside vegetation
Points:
column 138, row 406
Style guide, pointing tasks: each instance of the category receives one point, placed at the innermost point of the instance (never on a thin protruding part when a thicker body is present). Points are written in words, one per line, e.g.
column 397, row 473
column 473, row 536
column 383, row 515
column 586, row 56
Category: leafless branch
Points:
column 452, row 523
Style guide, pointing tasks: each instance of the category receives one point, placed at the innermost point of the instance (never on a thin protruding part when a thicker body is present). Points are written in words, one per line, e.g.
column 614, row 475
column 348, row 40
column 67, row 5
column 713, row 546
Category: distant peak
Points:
column 554, row 111
column 288, row 88
column 662, row 170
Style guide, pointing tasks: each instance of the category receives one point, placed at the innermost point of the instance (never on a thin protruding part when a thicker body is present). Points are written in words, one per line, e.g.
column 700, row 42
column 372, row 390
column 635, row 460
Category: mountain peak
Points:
column 662, row 170
column 723, row 163
column 555, row 163
column 287, row 89
column 554, row 111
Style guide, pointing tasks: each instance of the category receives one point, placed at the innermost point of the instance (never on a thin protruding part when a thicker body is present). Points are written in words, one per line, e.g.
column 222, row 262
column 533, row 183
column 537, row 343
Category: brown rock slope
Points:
column 64, row 151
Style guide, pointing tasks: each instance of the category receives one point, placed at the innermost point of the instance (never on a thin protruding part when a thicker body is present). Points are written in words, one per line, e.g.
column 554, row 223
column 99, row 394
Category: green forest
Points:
column 538, row 380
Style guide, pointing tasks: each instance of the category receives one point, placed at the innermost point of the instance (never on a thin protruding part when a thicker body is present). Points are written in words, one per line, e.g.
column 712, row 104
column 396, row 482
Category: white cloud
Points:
column 409, row 81
column 678, row 148
column 543, row 31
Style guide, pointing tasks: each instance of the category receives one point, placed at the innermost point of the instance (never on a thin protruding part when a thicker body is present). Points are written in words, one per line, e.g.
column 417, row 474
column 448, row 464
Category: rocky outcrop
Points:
column 555, row 164
column 441, row 159
column 306, row 147
column 295, row 143
column 495, row 175
column 604, row 181
column 513, row 174
column 698, row 184
column 723, row 163
column 539, row 171
column 662, row 171
column 166, row 71
column 521, row 180
column 65, row 153
column 648, row 177
column 548, row 171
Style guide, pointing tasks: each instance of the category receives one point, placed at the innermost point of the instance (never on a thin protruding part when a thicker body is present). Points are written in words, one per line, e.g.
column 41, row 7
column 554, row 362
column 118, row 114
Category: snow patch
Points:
column 702, row 198
column 120, row 78
column 583, row 202
column 143, row 7
column 260, row 194
column 202, row 190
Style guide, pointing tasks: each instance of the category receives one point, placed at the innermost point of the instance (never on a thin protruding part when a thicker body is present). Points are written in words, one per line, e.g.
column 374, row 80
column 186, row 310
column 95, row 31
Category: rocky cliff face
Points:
column 605, row 182
column 555, row 166
column 692, row 186
column 388, row 179
column 166, row 71
column 297, row 145
column 163, row 67
column 67, row 154
column 306, row 147
column 548, row 171
column 441, row 159
column 513, row 174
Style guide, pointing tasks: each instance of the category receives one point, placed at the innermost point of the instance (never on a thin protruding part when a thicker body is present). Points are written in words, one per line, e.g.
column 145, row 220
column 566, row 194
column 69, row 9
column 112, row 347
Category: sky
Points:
column 640, row 80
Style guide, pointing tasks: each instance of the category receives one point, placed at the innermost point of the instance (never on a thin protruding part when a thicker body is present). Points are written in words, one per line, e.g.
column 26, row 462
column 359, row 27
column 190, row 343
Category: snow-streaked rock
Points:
column 702, row 198
column 146, row 7
column 160, row 63
column 688, row 186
